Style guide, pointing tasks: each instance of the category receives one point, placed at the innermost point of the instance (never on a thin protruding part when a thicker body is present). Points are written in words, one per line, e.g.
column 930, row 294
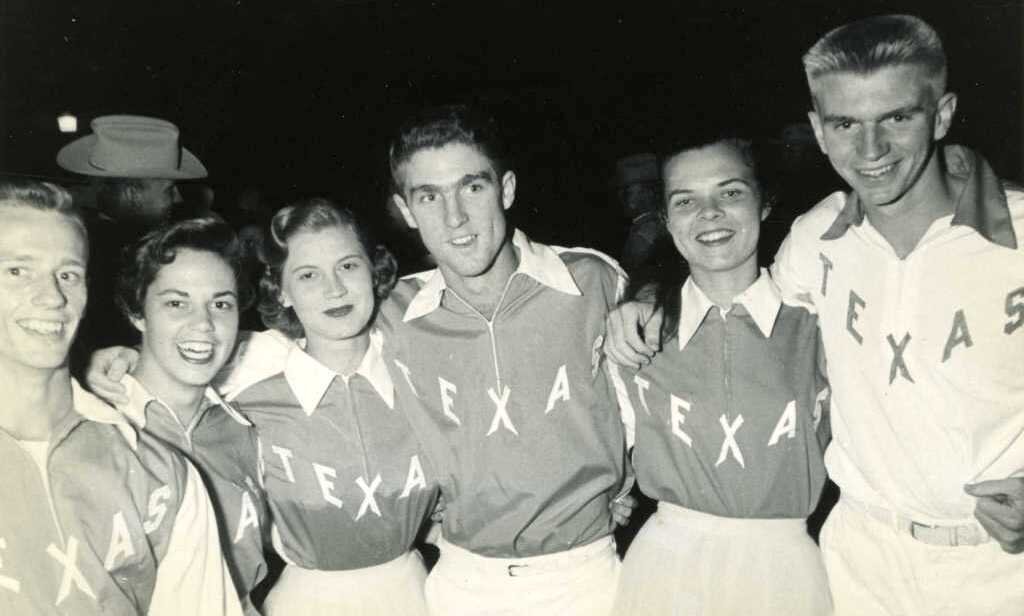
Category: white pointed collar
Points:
column 93, row 408
column 139, row 398
column 537, row 261
column 761, row 299
column 309, row 379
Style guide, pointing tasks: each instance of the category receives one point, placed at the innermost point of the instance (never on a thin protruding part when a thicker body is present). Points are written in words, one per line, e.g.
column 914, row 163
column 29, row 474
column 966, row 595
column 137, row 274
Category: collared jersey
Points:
column 522, row 414
column 925, row 353
column 517, row 411
column 348, row 482
column 105, row 527
column 726, row 415
column 222, row 444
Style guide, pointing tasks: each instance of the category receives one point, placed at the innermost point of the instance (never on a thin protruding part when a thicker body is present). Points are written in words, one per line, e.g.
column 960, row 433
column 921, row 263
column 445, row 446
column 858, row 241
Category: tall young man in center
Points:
column 501, row 344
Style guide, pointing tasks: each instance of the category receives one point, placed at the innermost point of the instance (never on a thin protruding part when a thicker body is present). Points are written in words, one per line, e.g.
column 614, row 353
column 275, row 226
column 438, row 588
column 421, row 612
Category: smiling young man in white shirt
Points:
column 97, row 518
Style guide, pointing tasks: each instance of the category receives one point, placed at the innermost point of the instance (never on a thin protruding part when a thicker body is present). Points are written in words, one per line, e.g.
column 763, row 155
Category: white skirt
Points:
column 394, row 588
column 684, row 562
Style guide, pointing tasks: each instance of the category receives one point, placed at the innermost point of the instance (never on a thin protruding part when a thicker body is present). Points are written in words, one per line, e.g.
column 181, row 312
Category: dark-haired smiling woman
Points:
column 181, row 287
column 726, row 418
column 348, row 482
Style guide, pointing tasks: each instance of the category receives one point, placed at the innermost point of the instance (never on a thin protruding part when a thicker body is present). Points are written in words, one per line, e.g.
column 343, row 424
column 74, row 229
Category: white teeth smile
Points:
column 714, row 236
column 876, row 173
column 464, row 240
column 196, row 351
column 43, row 328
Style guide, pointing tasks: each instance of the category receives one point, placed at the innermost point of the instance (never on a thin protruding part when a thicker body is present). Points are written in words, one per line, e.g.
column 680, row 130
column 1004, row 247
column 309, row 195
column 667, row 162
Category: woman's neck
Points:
column 185, row 400
column 723, row 287
column 341, row 356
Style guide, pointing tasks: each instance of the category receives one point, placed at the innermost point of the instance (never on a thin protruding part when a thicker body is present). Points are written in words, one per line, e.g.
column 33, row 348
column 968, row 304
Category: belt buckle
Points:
column 512, row 570
column 952, row 533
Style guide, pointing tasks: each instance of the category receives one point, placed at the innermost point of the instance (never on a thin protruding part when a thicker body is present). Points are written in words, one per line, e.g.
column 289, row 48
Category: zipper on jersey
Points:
column 490, row 325
column 49, row 498
column 350, row 399
column 727, row 363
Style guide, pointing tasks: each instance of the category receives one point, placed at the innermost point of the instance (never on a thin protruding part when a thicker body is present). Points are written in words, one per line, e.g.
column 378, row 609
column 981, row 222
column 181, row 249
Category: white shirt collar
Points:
column 761, row 299
column 309, row 379
column 139, row 398
column 92, row 408
column 537, row 261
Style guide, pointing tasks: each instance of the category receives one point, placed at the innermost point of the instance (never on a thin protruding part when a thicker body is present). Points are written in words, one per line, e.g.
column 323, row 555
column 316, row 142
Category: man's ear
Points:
column 819, row 133
column 944, row 112
column 508, row 189
column 400, row 203
column 765, row 211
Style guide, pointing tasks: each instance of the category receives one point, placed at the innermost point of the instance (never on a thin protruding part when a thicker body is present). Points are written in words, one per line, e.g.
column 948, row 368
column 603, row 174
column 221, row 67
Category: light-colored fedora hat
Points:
column 128, row 146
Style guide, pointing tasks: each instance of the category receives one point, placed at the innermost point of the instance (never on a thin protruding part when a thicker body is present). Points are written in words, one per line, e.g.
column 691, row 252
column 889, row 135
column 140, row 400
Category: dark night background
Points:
column 300, row 97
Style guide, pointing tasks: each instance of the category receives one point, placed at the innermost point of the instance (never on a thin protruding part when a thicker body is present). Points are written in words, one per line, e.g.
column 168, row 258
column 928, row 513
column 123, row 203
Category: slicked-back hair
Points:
column 865, row 46
column 437, row 127
column 44, row 196
column 143, row 260
column 311, row 215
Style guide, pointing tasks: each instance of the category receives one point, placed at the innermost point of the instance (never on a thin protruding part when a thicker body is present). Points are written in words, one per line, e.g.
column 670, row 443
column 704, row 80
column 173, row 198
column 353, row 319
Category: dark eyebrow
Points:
column 173, row 292
column 905, row 110
column 733, row 180
column 23, row 258
column 469, row 178
column 678, row 191
column 486, row 175
column 225, row 294
column 301, row 266
column 832, row 119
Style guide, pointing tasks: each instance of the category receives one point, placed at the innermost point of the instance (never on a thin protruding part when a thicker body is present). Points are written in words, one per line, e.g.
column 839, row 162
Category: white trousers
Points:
column 394, row 588
column 577, row 582
column 874, row 569
column 689, row 563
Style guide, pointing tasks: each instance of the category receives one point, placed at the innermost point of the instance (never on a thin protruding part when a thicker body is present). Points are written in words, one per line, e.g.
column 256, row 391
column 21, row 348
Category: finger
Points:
column 652, row 331
column 624, row 332
column 618, row 349
column 631, row 343
column 1012, row 487
column 620, row 515
column 1009, row 541
column 636, row 339
column 129, row 355
column 627, row 500
column 118, row 368
column 1007, row 514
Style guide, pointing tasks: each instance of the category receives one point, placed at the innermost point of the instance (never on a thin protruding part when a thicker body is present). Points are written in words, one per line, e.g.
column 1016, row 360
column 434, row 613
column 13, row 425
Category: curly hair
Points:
column 142, row 261
column 308, row 215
